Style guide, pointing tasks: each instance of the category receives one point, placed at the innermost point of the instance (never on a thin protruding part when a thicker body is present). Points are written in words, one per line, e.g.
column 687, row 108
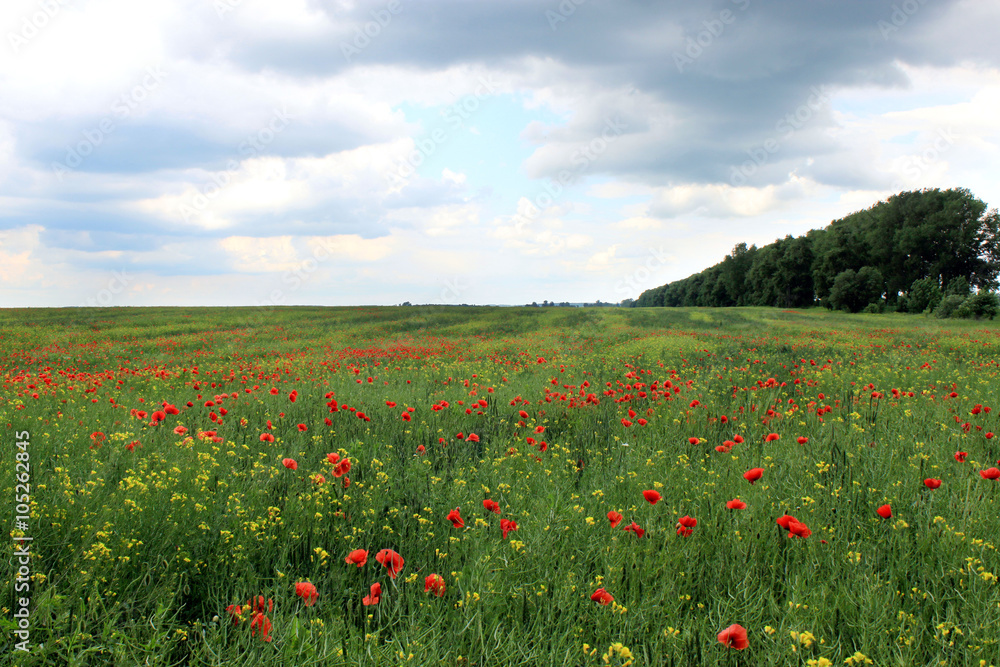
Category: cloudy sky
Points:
column 342, row 152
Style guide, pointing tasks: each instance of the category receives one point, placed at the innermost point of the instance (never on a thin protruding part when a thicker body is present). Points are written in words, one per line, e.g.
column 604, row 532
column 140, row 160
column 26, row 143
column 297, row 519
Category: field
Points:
column 189, row 502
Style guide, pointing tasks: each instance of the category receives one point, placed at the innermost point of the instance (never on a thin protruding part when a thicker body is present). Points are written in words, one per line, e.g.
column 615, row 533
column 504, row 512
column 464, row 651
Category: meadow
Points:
column 500, row 486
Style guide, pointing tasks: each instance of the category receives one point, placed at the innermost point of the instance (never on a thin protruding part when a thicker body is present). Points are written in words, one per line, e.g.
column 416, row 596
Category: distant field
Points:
column 189, row 500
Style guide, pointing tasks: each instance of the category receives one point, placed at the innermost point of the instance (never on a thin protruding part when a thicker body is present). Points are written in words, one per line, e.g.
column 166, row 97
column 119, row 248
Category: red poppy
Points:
column 652, row 497
column 960, row 456
column 262, row 624
column 771, row 437
column 988, row 435
column 290, row 464
column 507, row 527
column 333, row 457
column 318, row 479
column 132, row 445
column 634, row 528
column 885, row 511
column 694, row 441
column 602, row 596
column 234, row 612
column 473, row 438
column 406, row 416
column 158, row 416
column 685, row 524
column 390, row 560
column 753, row 474
column 455, row 518
column 435, row 583
column 260, row 605
column 421, row 449
column 798, row 529
column 990, row 473
column 459, row 435
column 738, row 439
column 523, row 414
column 491, row 506
column 357, row 557
column 303, row 428
column 783, row 521
column 736, row 504
column 307, row 592
column 931, row 483
column 802, row 440
column 266, row 437
column 642, row 422
column 615, row 518
column 735, row 636
column 374, row 595
column 342, row 468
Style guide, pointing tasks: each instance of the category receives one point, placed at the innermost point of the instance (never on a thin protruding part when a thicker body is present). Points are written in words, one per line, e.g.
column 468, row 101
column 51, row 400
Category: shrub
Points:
column 978, row 306
column 924, row 296
column 948, row 306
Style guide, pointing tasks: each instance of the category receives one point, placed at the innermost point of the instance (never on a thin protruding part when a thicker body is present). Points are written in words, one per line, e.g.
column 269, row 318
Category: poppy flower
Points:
column 735, row 636
column 333, row 457
column 307, row 592
column 374, row 595
column 802, row 440
column 615, row 518
column 988, row 435
column 771, row 437
column 357, row 557
column 753, row 474
column 652, row 497
column 885, row 511
column 736, row 504
column 692, row 440
column 960, row 456
column 990, row 473
column 455, row 519
column 634, row 528
column 931, row 483
column 783, row 521
column 602, row 596
column 406, row 416
column 421, row 449
column 507, row 527
column 260, row 605
column 261, row 624
column 390, row 560
column 266, row 437
column 459, row 435
column 523, row 414
column 234, row 612
column 685, row 525
column 158, row 416
column 798, row 529
column 491, row 506
column 303, row 428
column 290, row 464
column 473, row 438
column 738, row 439
column 318, row 479
column 342, row 468
column 435, row 583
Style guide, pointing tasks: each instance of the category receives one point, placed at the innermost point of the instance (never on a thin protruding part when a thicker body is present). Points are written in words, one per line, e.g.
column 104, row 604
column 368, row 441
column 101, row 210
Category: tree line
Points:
column 907, row 253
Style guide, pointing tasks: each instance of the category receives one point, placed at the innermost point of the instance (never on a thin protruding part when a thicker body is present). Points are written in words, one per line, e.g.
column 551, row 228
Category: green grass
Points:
column 136, row 554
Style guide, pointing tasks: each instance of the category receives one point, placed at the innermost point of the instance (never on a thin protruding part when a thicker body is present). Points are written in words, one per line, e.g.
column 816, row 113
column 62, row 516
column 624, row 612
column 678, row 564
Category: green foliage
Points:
column 853, row 291
column 925, row 295
column 979, row 306
column 949, row 306
column 945, row 237
column 958, row 286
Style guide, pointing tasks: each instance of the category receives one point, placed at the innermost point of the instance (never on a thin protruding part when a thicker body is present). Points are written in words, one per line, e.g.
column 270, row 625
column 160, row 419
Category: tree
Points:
column 924, row 295
column 853, row 290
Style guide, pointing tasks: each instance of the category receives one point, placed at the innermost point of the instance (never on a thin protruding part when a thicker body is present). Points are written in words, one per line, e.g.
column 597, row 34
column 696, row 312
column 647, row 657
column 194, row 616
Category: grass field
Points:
column 189, row 501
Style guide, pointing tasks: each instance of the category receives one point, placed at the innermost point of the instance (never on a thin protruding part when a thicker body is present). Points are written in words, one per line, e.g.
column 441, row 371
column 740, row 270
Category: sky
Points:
column 342, row 152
